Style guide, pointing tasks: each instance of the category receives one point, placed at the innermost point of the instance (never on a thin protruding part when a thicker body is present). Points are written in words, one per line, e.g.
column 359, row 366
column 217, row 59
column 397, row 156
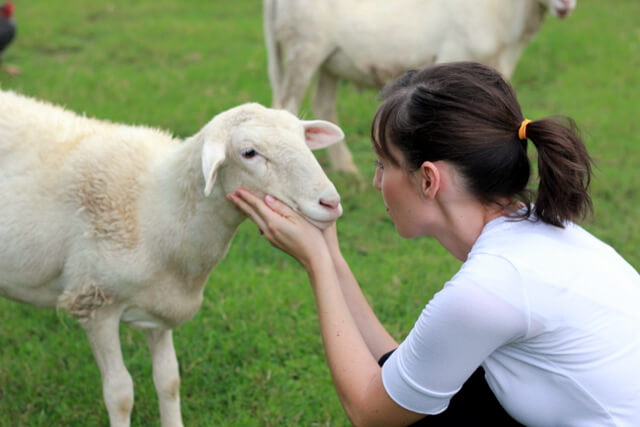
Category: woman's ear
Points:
column 430, row 179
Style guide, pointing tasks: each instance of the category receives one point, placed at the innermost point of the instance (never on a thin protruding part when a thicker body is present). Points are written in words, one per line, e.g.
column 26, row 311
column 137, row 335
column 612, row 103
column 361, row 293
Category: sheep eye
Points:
column 249, row 153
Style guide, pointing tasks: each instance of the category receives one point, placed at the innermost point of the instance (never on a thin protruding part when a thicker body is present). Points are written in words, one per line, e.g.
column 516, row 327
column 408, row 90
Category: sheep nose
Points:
column 330, row 204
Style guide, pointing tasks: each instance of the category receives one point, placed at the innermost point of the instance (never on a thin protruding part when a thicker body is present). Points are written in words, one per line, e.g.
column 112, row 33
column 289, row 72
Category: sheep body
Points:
column 115, row 223
column 85, row 169
column 372, row 42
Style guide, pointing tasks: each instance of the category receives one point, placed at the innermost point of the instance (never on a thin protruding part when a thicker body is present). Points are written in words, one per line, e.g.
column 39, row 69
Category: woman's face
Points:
column 401, row 195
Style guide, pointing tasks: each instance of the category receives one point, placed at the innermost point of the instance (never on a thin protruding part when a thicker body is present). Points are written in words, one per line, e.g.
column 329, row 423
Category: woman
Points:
column 547, row 310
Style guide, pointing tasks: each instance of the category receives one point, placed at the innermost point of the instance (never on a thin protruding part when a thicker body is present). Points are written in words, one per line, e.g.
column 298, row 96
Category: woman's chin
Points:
column 407, row 234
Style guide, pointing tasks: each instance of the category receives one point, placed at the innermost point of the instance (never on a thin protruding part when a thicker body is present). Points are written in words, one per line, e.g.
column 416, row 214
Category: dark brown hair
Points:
column 467, row 114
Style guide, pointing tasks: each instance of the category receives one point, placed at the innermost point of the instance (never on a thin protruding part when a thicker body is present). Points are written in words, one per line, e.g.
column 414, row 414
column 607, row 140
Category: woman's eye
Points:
column 249, row 153
column 378, row 164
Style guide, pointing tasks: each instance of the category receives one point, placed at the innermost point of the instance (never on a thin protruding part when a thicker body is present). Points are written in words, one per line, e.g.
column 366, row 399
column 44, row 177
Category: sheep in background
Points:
column 371, row 42
column 116, row 223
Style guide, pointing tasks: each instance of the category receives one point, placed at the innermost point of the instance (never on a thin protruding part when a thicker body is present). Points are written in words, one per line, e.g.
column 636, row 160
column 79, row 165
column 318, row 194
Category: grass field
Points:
column 252, row 355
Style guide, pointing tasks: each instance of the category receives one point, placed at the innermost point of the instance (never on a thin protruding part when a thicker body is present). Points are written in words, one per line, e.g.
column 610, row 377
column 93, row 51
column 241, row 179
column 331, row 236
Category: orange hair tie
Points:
column 522, row 132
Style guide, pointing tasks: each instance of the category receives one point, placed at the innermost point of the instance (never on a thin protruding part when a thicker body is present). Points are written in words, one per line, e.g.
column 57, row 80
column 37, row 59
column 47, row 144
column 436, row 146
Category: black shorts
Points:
column 474, row 405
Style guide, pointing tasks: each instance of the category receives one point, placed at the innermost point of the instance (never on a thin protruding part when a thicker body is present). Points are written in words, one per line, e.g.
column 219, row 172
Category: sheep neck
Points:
column 194, row 231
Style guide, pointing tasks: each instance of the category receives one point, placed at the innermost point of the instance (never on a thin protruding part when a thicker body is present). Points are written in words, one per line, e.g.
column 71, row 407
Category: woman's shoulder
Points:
column 531, row 237
column 540, row 256
column 511, row 253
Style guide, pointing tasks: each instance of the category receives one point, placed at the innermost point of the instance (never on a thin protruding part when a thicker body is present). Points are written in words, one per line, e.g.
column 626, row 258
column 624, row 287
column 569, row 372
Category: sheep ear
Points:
column 213, row 154
column 321, row 134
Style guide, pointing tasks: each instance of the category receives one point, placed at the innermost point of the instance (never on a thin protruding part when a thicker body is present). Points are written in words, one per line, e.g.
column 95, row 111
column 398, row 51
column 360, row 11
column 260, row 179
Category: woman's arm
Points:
column 354, row 369
column 378, row 340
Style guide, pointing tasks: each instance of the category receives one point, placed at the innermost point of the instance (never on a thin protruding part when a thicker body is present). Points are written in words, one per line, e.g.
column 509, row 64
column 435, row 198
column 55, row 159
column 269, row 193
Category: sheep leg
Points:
column 508, row 58
column 324, row 107
column 166, row 377
column 300, row 67
column 117, row 386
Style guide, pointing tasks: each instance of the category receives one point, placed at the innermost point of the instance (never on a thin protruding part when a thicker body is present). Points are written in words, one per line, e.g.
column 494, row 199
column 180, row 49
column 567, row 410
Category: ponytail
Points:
column 564, row 171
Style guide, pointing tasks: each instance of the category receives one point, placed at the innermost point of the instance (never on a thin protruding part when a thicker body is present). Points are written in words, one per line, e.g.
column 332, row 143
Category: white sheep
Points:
column 371, row 42
column 116, row 223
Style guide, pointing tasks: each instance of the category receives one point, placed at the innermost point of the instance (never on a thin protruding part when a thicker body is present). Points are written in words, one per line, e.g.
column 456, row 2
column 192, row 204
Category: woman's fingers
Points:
column 266, row 208
column 268, row 218
column 249, row 208
column 277, row 206
column 259, row 206
column 282, row 226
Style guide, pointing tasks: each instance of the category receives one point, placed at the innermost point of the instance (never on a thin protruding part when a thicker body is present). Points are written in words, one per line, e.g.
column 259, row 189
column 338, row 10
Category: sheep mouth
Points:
column 323, row 225
column 324, row 222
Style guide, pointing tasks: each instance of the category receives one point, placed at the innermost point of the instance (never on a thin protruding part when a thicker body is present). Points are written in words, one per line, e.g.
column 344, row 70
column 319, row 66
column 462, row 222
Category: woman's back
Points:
column 578, row 358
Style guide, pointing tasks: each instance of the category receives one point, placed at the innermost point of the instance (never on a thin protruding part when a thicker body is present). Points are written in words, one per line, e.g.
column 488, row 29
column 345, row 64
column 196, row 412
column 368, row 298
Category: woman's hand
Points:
column 330, row 235
column 285, row 229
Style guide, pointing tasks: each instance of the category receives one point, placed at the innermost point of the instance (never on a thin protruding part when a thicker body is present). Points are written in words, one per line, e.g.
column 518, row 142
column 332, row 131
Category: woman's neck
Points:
column 463, row 223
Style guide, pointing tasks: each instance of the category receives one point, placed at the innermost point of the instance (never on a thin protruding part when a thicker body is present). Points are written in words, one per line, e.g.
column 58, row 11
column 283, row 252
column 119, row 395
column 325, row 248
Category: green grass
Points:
column 252, row 355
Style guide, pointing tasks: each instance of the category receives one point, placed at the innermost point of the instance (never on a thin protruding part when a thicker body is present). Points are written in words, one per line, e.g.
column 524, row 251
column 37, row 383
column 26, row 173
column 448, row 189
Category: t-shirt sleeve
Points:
column 475, row 313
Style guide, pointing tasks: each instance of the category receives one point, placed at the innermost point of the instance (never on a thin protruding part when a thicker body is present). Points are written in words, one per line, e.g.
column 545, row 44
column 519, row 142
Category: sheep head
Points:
column 269, row 152
column 559, row 8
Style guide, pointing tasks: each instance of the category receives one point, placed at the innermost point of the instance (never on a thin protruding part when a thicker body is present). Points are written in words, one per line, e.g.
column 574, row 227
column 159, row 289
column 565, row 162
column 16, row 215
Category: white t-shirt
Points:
column 553, row 316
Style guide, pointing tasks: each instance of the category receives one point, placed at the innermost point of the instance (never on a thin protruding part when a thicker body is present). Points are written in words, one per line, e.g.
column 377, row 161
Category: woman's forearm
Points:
column 378, row 340
column 352, row 365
